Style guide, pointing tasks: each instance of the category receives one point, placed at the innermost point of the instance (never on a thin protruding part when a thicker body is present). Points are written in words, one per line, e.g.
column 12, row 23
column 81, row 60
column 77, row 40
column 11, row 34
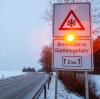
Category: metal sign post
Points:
column 68, row 19
column 86, row 85
column 56, row 84
column 72, row 19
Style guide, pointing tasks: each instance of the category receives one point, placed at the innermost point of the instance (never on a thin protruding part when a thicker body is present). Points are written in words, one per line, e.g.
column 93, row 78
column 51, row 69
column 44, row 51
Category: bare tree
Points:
column 49, row 13
column 45, row 59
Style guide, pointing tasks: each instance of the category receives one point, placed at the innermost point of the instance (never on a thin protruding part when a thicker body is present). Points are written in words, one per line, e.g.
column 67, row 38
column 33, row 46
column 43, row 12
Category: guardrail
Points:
column 43, row 87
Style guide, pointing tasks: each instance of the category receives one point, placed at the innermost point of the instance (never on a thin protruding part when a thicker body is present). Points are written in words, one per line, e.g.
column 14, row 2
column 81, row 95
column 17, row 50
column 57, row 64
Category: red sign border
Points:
column 77, row 19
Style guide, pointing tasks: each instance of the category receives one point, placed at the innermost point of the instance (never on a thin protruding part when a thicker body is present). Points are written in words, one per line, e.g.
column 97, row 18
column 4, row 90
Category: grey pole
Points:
column 56, row 84
column 45, row 91
column 86, row 85
column 86, row 82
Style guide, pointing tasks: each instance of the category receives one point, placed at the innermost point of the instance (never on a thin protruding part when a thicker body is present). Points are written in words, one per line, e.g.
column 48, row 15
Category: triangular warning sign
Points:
column 71, row 22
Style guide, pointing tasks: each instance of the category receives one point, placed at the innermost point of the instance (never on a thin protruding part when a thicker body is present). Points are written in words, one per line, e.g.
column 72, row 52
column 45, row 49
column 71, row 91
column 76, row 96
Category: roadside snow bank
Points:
column 62, row 93
column 96, row 79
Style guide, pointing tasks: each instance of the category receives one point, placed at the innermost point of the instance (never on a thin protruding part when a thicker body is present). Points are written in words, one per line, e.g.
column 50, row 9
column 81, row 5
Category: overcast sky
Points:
column 23, row 32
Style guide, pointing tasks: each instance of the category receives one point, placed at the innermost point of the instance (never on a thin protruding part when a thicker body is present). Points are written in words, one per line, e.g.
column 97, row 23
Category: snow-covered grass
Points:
column 62, row 93
column 96, row 79
column 6, row 74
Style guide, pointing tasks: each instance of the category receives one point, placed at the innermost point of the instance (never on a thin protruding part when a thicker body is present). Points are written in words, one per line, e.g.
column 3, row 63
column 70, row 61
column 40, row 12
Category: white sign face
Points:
column 72, row 18
column 75, row 56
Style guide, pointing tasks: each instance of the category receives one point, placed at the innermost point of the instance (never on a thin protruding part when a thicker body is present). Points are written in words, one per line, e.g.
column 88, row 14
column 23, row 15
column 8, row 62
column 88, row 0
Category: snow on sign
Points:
column 72, row 18
column 75, row 56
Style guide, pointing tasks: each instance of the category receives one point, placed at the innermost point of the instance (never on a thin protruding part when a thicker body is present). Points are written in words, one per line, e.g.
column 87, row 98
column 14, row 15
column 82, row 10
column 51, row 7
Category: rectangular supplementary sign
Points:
column 72, row 18
column 72, row 61
column 72, row 56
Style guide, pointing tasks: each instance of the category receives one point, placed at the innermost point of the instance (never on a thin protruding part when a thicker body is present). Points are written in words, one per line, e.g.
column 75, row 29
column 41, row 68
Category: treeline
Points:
column 96, row 55
column 28, row 69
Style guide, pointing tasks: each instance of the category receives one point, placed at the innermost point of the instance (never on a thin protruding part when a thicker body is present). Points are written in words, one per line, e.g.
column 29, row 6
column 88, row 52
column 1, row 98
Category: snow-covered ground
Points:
column 62, row 93
column 6, row 74
column 96, row 79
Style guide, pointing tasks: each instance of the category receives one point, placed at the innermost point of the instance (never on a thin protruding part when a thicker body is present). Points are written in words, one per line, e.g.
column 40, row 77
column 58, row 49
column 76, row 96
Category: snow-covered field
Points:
column 62, row 93
column 5, row 74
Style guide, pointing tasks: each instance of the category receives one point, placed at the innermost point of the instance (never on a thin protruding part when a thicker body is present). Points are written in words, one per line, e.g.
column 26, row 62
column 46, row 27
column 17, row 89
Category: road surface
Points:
column 21, row 86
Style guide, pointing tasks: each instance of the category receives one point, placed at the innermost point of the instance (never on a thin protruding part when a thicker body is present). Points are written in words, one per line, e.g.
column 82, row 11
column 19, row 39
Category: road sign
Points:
column 71, row 56
column 72, row 18
column 71, row 22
